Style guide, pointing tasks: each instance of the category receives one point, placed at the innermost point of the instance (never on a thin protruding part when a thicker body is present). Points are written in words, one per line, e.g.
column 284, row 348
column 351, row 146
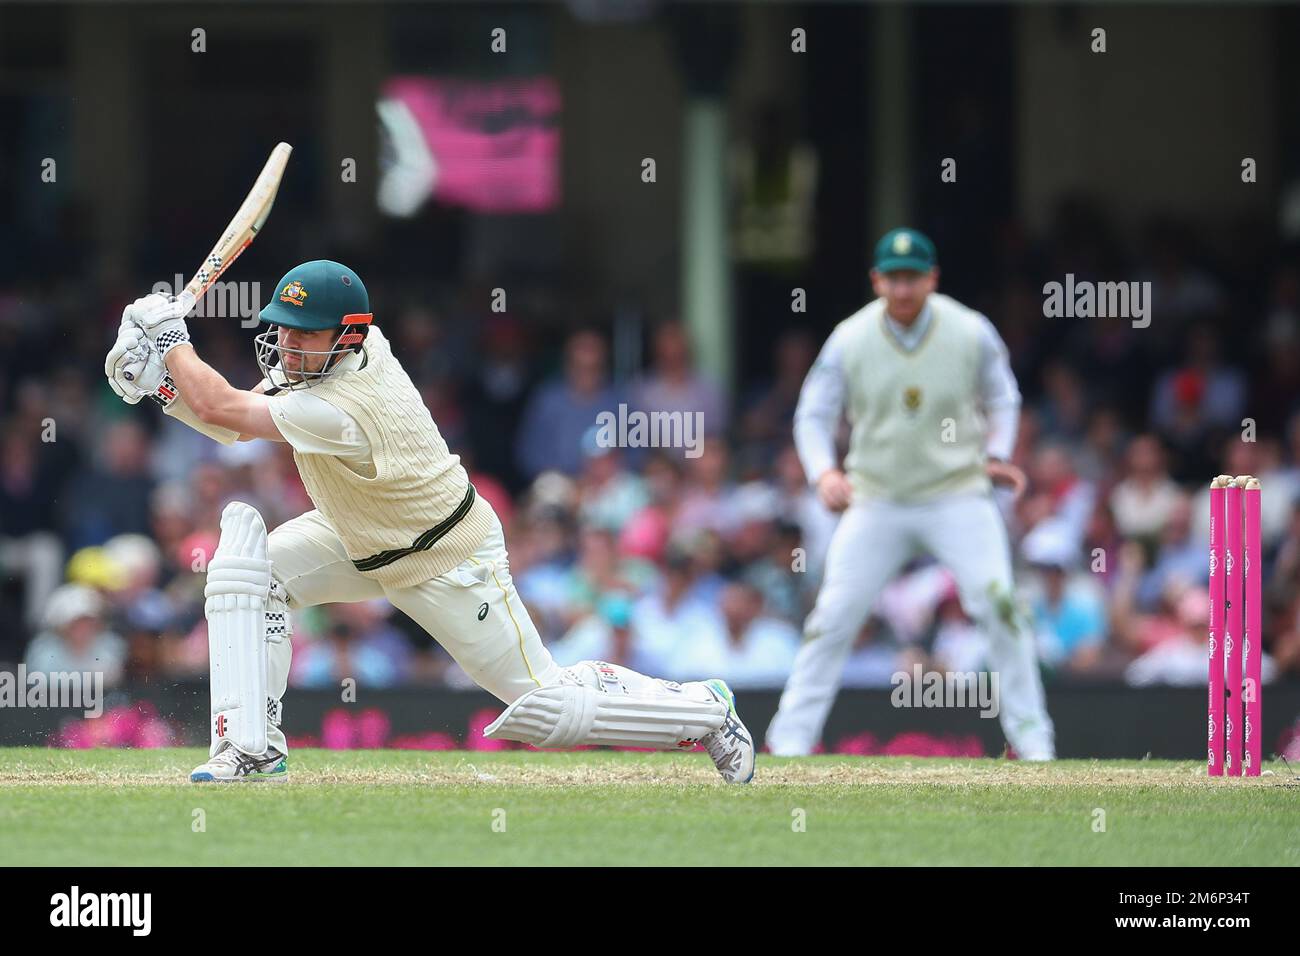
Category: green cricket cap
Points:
column 317, row 295
column 905, row 249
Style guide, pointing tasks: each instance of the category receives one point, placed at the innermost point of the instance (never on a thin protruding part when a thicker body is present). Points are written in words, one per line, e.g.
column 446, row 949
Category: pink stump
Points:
column 1215, row 762
column 1252, row 649
column 1232, row 632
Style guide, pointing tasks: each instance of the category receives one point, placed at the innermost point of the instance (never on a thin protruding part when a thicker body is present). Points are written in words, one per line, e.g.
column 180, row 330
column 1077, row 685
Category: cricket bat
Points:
column 237, row 237
column 243, row 229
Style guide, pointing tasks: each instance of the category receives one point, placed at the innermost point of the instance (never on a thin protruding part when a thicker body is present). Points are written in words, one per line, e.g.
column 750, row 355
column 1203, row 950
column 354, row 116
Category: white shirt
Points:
column 315, row 427
column 821, row 400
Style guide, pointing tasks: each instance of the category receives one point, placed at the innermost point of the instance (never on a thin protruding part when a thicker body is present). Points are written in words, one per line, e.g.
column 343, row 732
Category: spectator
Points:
column 359, row 645
column 646, row 534
column 751, row 650
column 1103, row 441
column 1056, row 494
column 1180, row 622
column 675, row 613
column 608, row 493
column 769, row 418
column 30, row 549
column 495, row 396
column 601, row 570
column 1273, row 394
column 709, row 499
column 1179, row 556
column 1179, row 658
column 1102, row 545
column 113, row 497
column 1179, row 289
column 559, row 412
column 1068, row 609
column 778, row 576
column 542, row 553
column 673, row 385
column 76, row 638
column 1065, row 406
column 605, row 634
column 1200, row 394
column 1145, row 500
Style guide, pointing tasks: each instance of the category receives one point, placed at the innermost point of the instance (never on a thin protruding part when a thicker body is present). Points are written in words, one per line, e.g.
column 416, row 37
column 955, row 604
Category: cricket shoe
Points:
column 235, row 766
column 730, row 746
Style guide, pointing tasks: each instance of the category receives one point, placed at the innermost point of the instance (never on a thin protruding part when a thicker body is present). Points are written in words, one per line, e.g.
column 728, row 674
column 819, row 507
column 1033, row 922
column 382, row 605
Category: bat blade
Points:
column 244, row 227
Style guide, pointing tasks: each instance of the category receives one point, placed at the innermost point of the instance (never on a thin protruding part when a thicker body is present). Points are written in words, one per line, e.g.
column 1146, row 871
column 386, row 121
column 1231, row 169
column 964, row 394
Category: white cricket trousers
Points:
column 473, row 610
column 872, row 542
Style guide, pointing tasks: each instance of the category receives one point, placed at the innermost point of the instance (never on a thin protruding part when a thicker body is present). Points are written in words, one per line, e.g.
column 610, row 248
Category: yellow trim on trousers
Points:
column 518, row 630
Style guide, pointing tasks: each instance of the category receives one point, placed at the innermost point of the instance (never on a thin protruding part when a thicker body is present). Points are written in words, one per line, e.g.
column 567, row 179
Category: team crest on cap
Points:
column 294, row 293
column 902, row 244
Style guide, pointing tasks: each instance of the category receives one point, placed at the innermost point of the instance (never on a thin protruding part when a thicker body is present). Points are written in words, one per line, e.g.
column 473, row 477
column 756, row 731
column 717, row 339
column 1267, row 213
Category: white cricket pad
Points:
column 594, row 706
column 238, row 586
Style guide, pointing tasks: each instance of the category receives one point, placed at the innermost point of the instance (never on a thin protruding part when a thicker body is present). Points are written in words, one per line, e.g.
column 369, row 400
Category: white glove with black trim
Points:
column 162, row 319
column 135, row 369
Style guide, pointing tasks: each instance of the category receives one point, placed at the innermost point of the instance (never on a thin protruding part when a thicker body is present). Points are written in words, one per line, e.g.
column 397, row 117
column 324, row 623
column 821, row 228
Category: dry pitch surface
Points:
column 525, row 807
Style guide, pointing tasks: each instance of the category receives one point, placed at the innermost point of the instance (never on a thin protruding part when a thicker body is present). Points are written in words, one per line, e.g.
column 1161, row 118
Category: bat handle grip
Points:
column 132, row 371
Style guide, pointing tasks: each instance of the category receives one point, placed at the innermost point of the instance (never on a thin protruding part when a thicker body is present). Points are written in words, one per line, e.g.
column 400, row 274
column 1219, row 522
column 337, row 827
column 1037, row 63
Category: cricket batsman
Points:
column 934, row 409
column 396, row 517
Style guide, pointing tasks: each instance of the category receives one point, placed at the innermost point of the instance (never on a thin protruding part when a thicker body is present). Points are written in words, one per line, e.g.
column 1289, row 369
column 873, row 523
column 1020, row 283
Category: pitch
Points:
column 134, row 807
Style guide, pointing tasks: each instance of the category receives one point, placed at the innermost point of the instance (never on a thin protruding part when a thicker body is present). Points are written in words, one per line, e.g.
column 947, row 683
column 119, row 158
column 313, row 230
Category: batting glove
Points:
column 162, row 319
column 134, row 368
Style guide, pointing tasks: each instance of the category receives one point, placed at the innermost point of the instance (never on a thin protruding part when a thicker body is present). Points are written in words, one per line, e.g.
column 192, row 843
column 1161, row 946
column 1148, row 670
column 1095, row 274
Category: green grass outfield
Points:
column 127, row 807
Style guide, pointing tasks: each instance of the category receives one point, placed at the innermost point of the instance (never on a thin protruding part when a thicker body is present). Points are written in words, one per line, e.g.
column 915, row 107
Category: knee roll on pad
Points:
column 597, row 675
column 616, row 679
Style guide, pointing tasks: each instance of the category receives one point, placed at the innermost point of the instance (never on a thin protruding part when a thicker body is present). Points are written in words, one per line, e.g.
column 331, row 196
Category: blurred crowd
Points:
column 677, row 566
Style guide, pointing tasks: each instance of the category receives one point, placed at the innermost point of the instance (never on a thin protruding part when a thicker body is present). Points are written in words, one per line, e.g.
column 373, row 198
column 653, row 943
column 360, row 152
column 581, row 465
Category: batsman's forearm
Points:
column 201, row 384
column 182, row 412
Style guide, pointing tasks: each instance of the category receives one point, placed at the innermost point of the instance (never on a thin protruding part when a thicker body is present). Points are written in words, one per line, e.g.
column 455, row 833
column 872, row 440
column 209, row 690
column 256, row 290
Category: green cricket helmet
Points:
column 313, row 297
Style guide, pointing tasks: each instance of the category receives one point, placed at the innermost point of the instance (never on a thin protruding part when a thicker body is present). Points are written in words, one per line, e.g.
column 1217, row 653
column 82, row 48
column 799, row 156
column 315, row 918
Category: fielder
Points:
column 934, row 410
column 395, row 517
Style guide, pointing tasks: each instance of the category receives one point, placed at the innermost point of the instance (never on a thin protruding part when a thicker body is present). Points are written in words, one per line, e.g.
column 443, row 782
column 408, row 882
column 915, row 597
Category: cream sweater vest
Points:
column 917, row 431
column 418, row 516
